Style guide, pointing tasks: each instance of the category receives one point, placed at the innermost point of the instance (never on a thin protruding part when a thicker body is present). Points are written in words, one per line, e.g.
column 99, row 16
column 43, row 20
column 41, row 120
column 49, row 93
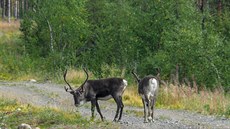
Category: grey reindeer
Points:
column 102, row 89
column 147, row 89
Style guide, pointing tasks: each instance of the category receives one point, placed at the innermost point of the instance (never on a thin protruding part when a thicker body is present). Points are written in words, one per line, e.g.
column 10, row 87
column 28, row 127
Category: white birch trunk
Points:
column 16, row 9
column 8, row 11
column 51, row 36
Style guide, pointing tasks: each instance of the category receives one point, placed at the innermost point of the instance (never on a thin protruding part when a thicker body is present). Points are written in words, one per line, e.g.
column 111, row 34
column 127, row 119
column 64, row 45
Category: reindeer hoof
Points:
column 115, row 120
column 150, row 118
column 119, row 120
column 145, row 121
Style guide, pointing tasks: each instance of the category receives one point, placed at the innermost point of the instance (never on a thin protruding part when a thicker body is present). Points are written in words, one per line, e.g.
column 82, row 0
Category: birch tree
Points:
column 16, row 9
column 8, row 11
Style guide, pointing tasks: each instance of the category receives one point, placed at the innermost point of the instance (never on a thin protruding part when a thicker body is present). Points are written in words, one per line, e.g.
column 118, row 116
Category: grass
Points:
column 203, row 101
column 75, row 76
column 184, row 97
column 12, row 114
column 6, row 27
column 131, row 97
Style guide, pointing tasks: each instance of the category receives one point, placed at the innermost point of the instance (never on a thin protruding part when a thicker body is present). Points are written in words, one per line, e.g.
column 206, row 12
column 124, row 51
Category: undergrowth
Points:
column 15, row 64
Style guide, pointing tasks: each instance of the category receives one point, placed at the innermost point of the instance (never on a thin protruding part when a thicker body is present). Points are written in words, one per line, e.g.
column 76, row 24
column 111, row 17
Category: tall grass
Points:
column 9, row 27
column 76, row 76
column 203, row 101
column 170, row 96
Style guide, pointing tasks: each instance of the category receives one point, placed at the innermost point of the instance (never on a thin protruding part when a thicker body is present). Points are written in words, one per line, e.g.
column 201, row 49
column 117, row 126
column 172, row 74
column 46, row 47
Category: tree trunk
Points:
column 16, row 9
column 51, row 36
column 8, row 11
column 3, row 9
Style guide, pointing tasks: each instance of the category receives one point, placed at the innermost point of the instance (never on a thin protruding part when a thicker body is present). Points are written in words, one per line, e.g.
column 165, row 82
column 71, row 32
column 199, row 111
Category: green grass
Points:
column 13, row 114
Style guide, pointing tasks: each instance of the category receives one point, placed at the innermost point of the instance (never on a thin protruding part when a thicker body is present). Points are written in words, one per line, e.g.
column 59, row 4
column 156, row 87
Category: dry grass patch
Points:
column 9, row 27
column 77, row 77
column 204, row 101
column 170, row 96
column 131, row 97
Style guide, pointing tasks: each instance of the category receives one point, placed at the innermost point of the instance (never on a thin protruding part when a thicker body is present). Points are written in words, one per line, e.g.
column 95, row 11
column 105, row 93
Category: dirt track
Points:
column 53, row 95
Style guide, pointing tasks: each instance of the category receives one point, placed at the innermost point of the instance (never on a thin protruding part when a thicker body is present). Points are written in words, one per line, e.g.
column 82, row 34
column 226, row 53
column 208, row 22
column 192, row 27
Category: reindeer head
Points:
column 78, row 94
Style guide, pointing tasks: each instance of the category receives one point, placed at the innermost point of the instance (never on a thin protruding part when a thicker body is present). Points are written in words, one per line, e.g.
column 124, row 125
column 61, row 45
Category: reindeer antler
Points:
column 87, row 77
column 67, row 82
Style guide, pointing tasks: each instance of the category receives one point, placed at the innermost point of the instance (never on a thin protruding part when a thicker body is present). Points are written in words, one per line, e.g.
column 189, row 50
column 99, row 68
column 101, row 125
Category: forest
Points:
column 184, row 40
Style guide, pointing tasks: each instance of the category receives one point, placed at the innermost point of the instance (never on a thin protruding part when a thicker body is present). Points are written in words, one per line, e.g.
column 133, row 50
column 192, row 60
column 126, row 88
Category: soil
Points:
column 54, row 95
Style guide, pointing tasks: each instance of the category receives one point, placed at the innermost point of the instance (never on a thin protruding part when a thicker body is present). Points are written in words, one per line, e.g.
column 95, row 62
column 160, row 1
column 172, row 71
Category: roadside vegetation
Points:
column 12, row 114
column 205, row 101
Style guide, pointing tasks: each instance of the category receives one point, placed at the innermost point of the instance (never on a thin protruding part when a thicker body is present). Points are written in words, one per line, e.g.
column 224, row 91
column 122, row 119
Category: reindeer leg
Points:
column 122, row 106
column 145, row 116
column 99, row 111
column 117, row 100
column 152, row 108
column 92, row 110
column 94, row 102
column 149, row 103
column 149, row 110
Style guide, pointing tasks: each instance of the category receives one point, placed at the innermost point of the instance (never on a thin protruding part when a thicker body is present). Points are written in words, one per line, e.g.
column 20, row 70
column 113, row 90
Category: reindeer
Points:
column 147, row 89
column 94, row 90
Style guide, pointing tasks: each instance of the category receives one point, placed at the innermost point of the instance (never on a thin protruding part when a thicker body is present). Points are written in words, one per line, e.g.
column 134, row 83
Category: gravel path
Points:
column 54, row 95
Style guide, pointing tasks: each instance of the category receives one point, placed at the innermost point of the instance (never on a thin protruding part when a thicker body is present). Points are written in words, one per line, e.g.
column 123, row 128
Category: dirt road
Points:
column 54, row 95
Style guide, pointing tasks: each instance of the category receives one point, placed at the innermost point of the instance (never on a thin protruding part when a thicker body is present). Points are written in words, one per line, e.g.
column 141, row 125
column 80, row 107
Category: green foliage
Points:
column 131, row 34
column 48, row 29
column 207, row 107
